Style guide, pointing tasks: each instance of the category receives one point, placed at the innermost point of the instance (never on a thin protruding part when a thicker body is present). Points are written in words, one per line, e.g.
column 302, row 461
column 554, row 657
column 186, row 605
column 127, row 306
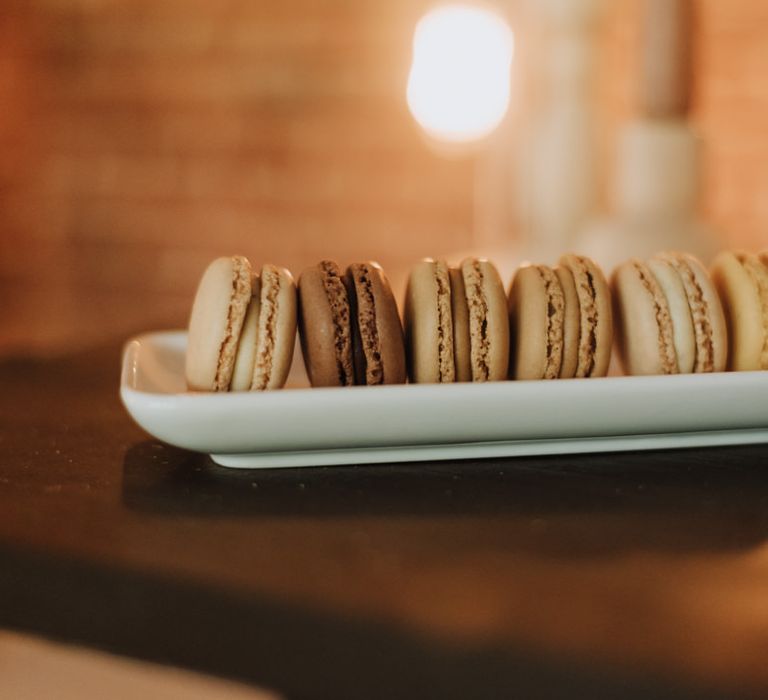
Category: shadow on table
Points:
column 689, row 500
column 301, row 653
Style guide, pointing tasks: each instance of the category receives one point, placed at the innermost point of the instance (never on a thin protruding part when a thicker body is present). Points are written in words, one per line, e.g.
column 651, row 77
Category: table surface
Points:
column 626, row 575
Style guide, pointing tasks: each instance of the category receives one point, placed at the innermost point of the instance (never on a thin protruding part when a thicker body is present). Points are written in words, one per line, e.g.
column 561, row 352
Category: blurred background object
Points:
column 558, row 183
column 459, row 82
column 33, row 668
column 656, row 183
column 140, row 139
column 459, row 92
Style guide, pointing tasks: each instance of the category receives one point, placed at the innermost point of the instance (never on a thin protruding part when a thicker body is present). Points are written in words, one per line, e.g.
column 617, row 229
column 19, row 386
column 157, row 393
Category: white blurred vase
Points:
column 656, row 181
column 558, row 179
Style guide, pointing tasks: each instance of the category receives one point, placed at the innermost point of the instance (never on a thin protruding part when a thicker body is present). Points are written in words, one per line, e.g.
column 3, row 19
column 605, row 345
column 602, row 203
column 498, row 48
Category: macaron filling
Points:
column 702, row 326
column 555, row 320
column 242, row 374
column 369, row 368
column 265, row 348
column 238, row 304
column 336, row 294
column 478, row 320
column 587, row 295
column 446, row 365
column 667, row 352
column 571, row 322
column 758, row 273
column 460, row 322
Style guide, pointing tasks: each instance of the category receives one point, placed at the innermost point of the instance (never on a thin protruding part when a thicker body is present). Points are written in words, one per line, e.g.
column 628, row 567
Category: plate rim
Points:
column 154, row 410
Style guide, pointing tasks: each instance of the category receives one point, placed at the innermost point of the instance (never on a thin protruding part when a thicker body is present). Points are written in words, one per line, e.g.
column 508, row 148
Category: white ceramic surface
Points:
column 299, row 426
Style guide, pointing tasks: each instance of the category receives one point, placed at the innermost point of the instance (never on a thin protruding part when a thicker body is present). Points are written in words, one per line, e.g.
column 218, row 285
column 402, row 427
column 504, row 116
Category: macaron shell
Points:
column 218, row 312
column 680, row 312
column 570, row 323
column 536, row 309
column 644, row 331
column 390, row 328
column 378, row 344
column 325, row 326
column 758, row 271
column 242, row 373
column 706, row 311
column 738, row 279
column 277, row 329
column 460, row 312
column 428, row 324
column 763, row 258
column 596, row 316
column 488, row 320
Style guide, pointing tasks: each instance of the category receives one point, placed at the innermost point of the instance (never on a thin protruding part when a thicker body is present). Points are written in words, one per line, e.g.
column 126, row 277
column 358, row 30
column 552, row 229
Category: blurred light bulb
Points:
column 458, row 87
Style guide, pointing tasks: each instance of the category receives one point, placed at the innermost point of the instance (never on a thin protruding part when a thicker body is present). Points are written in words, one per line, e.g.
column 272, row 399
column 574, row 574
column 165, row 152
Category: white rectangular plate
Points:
column 301, row 426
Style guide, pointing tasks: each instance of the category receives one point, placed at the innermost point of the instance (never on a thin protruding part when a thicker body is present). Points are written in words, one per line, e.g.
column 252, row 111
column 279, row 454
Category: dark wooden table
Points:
column 631, row 576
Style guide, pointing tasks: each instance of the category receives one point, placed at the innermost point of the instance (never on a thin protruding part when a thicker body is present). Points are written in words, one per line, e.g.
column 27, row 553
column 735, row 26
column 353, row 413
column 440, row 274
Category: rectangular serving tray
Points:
column 301, row 426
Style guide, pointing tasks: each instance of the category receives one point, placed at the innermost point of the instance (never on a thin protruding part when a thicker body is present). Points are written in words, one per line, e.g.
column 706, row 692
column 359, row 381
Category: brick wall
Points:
column 161, row 134
column 140, row 138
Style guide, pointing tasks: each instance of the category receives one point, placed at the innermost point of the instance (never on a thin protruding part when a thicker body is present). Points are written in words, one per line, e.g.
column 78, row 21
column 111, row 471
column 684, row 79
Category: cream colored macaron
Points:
column 669, row 319
column 654, row 328
column 709, row 327
column 275, row 337
column 242, row 328
column 218, row 312
column 742, row 281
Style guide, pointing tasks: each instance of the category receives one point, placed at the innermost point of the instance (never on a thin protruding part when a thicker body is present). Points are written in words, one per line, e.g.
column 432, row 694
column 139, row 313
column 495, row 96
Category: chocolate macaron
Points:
column 325, row 326
column 456, row 323
column 242, row 328
column 742, row 281
column 669, row 319
column 349, row 326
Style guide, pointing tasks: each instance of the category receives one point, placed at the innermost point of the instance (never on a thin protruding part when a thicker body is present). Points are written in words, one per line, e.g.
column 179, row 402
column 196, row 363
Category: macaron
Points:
column 669, row 319
column 741, row 280
column 350, row 326
column 275, row 337
column 646, row 320
column 461, row 338
column 242, row 327
column 485, row 301
column 593, row 299
column 325, row 325
column 537, row 320
column 683, row 332
column 245, row 359
column 378, row 347
column 429, row 323
column 571, row 324
column 456, row 326
column 709, row 327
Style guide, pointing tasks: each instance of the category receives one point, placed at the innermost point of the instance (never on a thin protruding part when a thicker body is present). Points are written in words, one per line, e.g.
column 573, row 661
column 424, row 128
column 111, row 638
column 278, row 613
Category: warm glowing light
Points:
column 458, row 88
